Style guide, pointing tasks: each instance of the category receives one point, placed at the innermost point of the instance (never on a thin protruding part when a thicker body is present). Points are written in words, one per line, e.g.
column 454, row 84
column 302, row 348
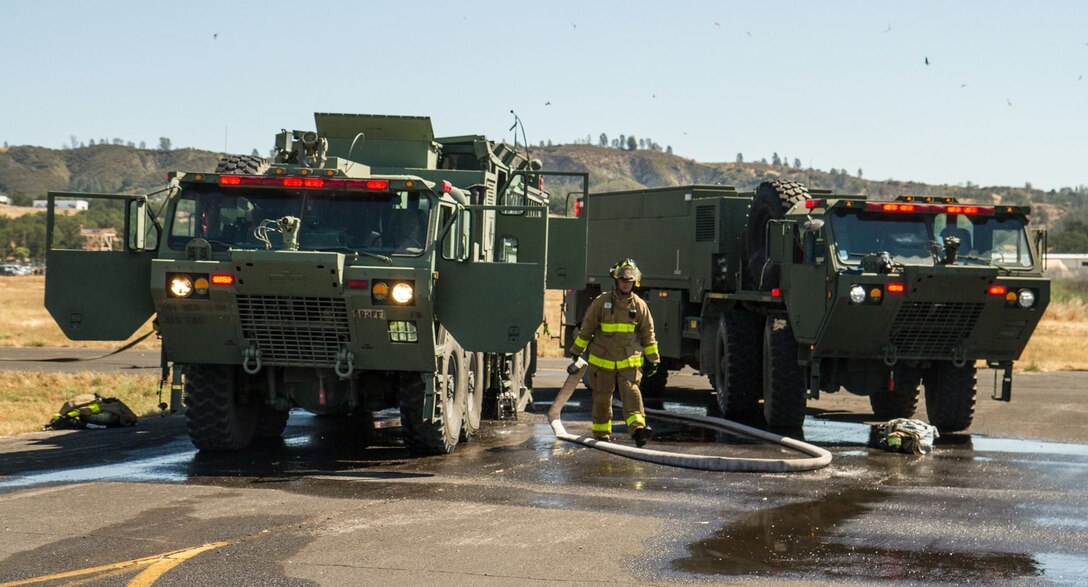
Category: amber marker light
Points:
column 380, row 290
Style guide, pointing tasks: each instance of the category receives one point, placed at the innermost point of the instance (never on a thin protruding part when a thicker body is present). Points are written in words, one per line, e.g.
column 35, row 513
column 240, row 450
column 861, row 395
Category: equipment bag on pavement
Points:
column 90, row 410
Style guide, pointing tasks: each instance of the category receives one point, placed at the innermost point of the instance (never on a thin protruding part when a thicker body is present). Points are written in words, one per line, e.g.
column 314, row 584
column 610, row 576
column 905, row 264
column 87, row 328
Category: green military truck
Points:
column 783, row 293
column 367, row 266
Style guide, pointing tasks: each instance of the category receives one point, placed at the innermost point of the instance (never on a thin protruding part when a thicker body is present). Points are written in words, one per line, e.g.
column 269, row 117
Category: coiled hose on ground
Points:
column 818, row 457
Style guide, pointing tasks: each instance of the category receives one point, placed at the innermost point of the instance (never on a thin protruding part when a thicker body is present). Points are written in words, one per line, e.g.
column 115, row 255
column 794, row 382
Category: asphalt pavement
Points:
column 1003, row 504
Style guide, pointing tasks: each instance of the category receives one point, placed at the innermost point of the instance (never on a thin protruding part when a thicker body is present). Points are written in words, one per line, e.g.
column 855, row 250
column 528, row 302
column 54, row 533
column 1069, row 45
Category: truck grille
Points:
column 295, row 331
column 932, row 329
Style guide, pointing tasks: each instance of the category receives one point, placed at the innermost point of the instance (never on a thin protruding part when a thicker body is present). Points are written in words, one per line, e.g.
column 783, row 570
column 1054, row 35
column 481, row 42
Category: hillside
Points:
column 27, row 173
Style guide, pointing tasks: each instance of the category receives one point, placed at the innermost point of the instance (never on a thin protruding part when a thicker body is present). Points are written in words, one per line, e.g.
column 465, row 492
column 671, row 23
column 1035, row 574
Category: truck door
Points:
column 491, row 306
column 98, row 263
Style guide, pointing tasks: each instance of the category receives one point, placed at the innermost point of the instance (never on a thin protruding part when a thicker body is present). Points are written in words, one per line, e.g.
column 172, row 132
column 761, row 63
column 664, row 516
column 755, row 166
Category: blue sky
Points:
column 841, row 85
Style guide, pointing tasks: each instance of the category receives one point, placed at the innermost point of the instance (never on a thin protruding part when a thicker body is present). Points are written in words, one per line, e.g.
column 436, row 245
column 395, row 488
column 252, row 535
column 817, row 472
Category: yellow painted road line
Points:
column 156, row 570
column 136, row 562
column 158, row 562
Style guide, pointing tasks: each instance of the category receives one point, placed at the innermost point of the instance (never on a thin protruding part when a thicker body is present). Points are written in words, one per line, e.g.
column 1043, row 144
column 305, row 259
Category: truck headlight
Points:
column 1025, row 298
column 181, row 286
column 857, row 294
column 402, row 293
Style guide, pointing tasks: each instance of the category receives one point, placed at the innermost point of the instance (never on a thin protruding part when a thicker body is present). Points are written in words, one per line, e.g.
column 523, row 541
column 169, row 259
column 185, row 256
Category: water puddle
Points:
column 162, row 467
column 806, row 539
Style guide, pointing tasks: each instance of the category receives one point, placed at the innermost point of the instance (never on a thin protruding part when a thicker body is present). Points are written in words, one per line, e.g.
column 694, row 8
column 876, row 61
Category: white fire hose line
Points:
column 818, row 458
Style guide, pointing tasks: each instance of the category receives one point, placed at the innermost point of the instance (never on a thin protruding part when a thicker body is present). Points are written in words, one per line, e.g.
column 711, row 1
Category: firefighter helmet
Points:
column 626, row 270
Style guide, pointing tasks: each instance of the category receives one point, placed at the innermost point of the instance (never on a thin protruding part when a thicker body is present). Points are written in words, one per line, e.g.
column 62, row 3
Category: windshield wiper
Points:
column 989, row 261
column 349, row 250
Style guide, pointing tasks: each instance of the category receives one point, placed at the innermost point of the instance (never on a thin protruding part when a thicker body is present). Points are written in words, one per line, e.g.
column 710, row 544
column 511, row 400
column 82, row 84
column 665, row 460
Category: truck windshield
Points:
column 915, row 239
column 385, row 223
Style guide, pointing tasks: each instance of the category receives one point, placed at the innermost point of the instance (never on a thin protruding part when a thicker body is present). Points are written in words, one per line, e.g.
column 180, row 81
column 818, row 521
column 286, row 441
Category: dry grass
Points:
column 28, row 400
column 25, row 322
column 1058, row 342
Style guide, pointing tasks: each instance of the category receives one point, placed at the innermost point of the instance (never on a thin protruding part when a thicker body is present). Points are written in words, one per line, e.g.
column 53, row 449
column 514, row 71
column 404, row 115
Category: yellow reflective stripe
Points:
column 95, row 408
column 635, row 361
column 650, row 350
column 602, row 363
column 636, row 418
column 580, row 342
column 617, row 327
column 605, row 427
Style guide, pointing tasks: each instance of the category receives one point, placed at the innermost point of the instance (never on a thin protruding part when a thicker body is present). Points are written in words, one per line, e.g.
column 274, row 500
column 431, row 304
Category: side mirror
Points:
column 1040, row 244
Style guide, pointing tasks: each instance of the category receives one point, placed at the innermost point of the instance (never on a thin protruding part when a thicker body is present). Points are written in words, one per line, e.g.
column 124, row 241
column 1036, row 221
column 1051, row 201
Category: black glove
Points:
column 649, row 369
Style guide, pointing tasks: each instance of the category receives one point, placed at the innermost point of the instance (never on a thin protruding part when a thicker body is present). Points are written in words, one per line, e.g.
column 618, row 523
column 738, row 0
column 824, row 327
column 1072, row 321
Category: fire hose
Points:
column 817, row 459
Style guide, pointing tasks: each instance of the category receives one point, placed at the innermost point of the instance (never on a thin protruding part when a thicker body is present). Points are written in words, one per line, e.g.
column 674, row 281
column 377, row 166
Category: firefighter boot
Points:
column 642, row 436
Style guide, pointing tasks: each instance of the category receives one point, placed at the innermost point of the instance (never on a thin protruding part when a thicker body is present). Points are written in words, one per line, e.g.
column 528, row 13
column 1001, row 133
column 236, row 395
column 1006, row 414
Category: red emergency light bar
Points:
column 374, row 185
column 896, row 288
column 928, row 209
column 578, row 204
column 997, row 290
column 222, row 278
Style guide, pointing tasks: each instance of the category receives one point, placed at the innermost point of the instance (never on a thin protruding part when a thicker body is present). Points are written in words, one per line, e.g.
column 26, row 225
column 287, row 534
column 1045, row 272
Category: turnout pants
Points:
column 603, row 383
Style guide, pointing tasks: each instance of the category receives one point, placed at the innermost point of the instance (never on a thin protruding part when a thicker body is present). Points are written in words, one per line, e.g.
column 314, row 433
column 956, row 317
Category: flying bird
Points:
column 215, row 36
column 548, row 103
column 573, row 25
column 927, row 60
column 1008, row 101
column 717, row 24
column 889, row 28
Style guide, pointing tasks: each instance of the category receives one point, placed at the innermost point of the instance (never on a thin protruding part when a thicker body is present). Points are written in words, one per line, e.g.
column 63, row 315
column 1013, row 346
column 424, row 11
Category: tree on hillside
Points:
column 796, row 163
column 775, row 160
column 623, row 141
column 740, row 157
column 632, row 143
column 859, row 173
column 604, row 140
column 668, row 149
column 164, row 144
column 143, row 146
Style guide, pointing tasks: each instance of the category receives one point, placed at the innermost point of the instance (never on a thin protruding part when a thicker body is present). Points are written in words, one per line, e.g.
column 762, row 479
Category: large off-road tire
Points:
column 738, row 377
column 424, row 435
column 476, row 388
column 783, row 378
column 901, row 402
column 950, row 396
column 358, row 427
column 218, row 416
column 242, row 165
column 270, row 422
column 772, row 200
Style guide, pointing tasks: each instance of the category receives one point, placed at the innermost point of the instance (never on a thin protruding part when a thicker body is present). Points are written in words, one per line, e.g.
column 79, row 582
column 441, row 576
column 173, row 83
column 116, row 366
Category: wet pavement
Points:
column 516, row 506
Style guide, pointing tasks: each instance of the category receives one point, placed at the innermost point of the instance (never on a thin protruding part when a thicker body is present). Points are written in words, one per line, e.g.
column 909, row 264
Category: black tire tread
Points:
column 242, row 165
column 900, row 402
column 214, row 419
column 950, row 396
column 440, row 435
column 783, row 379
column 771, row 201
column 738, row 376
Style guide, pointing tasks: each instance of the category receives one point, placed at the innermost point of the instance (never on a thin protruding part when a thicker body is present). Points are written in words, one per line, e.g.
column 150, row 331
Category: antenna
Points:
column 517, row 123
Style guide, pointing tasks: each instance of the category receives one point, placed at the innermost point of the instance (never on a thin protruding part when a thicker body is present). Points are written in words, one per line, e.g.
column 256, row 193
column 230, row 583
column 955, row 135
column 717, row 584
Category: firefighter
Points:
column 619, row 333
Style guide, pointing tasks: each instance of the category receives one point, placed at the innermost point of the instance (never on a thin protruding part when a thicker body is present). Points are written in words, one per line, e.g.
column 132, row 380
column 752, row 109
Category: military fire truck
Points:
column 784, row 293
column 367, row 266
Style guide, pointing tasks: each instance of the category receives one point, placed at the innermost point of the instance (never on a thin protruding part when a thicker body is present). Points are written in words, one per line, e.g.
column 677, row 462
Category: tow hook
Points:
column 345, row 364
column 890, row 355
column 251, row 363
